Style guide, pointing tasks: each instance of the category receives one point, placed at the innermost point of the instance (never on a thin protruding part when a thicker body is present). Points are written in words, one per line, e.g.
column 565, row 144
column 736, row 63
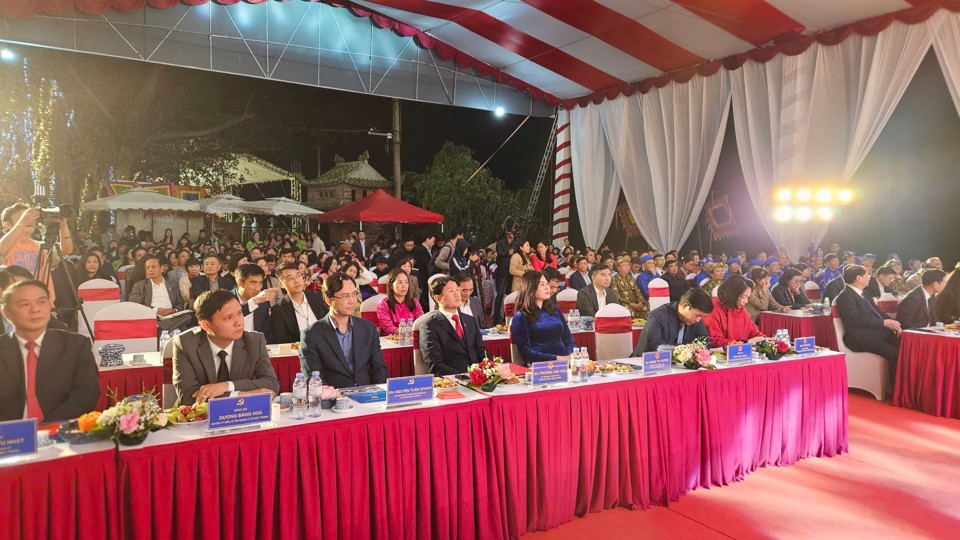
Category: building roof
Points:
column 357, row 173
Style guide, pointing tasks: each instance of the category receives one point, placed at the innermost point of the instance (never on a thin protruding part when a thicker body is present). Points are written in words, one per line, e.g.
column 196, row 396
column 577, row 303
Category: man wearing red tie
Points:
column 45, row 373
column 450, row 340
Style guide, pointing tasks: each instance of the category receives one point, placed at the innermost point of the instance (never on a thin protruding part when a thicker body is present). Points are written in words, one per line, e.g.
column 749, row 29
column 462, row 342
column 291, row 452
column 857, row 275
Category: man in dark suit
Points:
column 833, row 288
column 219, row 358
column 676, row 323
column 581, row 277
column 469, row 304
column 156, row 291
column 919, row 307
column 674, row 280
column 295, row 311
column 210, row 278
column 360, row 247
column 878, row 284
column 45, row 374
column 422, row 255
column 598, row 294
column 254, row 299
column 450, row 340
column 866, row 328
column 343, row 348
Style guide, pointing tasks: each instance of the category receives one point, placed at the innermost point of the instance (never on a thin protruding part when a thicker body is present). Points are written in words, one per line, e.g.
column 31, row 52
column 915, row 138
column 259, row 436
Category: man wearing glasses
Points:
column 343, row 348
column 297, row 310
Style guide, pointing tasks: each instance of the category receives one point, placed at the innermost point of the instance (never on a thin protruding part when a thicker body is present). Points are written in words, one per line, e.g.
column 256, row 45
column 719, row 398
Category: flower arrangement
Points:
column 774, row 349
column 487, row 374
column 132, row 419
column 693, row 355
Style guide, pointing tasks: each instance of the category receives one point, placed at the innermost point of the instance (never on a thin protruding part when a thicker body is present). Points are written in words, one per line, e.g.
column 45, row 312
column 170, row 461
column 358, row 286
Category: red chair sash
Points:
column 813, row 294
column 888, row 306
column 108, row 330
column 416, row 338
column 509, row 310
column 613, row 325
column 370, row 316
column 566, row 305
column 382, row 287
column 659, row 292
column 91, row 295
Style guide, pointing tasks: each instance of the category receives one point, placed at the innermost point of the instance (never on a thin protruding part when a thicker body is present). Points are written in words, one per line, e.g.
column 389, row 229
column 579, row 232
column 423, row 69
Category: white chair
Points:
column 613, row 332
column 419, row 366
column 567, row 300
column 510, row 304
column 433, row 305
column 566, row 277
column 659, row 292
column 382, row 284
column 888, row 304
column 812, row 290
column 515, row 357
column 122, row 273
column 691, row 278
column 169, row 394
column 368, row 309
column 129, row 324
column 713, row 293
column 96, row 294
column 865, row 371
column 703, row 282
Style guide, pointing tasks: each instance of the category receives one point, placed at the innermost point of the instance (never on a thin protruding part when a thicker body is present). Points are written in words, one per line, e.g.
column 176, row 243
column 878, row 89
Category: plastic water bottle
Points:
column 314, row 387
column 299, row 397
column 584, row 364
column 408, row 329
column 164, row 339
column 575, row 364
column 786, row 335
column 573, row 320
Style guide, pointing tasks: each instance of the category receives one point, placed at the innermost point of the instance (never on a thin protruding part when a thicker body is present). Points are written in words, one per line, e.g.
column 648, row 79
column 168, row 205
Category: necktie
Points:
column 932, row 310
column 33, row 406
column 456, row 322
column 873, row 307
column 223, row 372
column 680, row 334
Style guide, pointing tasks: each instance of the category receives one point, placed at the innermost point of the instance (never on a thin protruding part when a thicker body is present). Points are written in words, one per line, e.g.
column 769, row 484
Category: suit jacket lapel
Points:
column 239, row 357
column 12, row 361
column 447, row 325
column 329, row 333
column 206, row 358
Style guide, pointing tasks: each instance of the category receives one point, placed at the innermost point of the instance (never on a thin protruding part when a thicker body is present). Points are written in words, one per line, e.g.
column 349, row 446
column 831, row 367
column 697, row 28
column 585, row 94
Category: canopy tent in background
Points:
column 147, row 209
column 222, row 204
column 380, row 207
column 278, row 206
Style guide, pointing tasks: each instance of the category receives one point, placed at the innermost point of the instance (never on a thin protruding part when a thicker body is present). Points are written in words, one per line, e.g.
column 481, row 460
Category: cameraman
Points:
column 17, row 247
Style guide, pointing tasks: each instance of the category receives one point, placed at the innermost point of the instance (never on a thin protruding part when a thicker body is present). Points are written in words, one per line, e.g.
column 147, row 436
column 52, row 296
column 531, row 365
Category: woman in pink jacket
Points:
column 400, row 303
column 543, row 257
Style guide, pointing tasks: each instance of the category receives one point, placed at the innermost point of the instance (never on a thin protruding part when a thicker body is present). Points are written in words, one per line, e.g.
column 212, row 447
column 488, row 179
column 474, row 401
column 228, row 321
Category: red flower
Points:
column 782, row 347
column 477, row 377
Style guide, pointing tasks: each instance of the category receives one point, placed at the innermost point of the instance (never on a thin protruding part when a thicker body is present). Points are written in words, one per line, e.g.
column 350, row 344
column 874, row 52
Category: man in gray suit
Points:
column 470, row 304
column 157, row 292
column 45, row 373
column 219, row 358
column 598, row 294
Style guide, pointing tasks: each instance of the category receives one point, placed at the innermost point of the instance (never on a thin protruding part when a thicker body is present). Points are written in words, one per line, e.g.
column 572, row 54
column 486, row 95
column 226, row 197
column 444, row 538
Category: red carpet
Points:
column 901, row 479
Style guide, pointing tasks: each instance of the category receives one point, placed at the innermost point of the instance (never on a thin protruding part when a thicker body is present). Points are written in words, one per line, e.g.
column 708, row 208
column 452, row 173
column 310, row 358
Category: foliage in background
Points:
column 482, row 203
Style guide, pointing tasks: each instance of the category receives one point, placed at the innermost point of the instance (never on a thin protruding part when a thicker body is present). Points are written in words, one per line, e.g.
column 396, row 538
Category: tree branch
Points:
column 205, row 132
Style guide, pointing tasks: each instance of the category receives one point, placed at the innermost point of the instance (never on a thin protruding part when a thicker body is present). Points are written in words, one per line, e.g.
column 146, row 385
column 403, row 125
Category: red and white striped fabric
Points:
column 368, row 309
column 566, row 278
column 132, row 325
column 563, row 174
column 567, row 300
column 510, row 304
column 812, row 290
column 888, row 304
column 382, row 284
column 659, row 293
column 96, row 295
column 614, row 332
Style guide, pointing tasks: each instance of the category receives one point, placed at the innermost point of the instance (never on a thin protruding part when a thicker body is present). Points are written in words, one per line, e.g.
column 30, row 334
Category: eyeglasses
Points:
column 347, row 296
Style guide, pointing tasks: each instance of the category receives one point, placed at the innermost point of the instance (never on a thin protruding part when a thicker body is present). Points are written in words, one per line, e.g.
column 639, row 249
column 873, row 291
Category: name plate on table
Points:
column 805, row 345
column 549, row 372
column 739, row 354
column 409, row 390
column 239, row 411
column 18, row 437
column 655, row 363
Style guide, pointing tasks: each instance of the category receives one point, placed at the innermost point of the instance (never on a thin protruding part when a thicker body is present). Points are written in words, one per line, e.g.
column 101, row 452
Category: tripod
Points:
column 50, row 248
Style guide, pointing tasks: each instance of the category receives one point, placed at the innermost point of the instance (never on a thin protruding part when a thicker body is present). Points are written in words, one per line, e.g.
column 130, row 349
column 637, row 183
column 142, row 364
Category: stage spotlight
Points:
column 823, row 195
column 784, row 194
column 7, row 55
column 804, row 213
column 845, row 195
column 803, row 194
column 825, row 213
column 499, row 112
column 783, row 214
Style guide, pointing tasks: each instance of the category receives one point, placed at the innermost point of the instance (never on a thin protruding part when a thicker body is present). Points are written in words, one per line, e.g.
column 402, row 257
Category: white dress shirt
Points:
column 449, row 317
column 305, row 316
column 160, row 298
column 248, row 318
column 229, row 360
column 601, row 298
column 465, row 308
column 23, row 355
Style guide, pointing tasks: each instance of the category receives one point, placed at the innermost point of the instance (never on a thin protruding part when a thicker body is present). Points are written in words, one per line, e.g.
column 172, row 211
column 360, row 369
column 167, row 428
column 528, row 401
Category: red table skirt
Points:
column 405, row 475
column 286, row 369
column 928, row 374
column 499, row 347
column 72, row 497
column 588, row 340
column 129, row 381
column 648, row 441
column 399, row 361
column 818, row 326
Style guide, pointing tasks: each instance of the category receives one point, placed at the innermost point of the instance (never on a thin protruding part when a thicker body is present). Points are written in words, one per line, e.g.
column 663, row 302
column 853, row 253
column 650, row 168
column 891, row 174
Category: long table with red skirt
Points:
column 128, row 380
column 286, row 363
column 499, row 345
column 819, row 327
column 928, row 373
column 61, row 492
column 632, row 441
column 425, row 472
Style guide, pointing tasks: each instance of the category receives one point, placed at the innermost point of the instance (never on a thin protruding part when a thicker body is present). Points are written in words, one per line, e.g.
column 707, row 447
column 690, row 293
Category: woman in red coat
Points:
column 729, row 321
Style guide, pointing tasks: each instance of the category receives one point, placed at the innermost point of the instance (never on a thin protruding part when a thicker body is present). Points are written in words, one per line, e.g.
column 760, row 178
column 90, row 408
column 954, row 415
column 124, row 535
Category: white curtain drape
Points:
column 945, row 29
column 595, row 184
column 814, row 117
column 665, row 146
